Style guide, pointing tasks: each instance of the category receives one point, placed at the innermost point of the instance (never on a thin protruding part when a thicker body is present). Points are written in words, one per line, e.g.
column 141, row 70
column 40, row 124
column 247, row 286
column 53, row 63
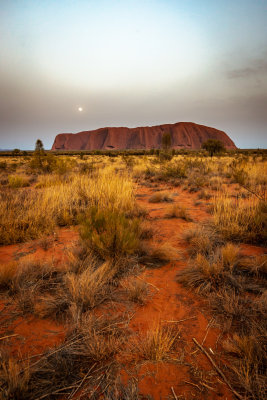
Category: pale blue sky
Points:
column 132, row 63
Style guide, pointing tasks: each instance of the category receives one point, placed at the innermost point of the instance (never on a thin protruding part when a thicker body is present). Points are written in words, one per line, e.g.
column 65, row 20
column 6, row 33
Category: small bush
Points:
column 208, row 273
column 110, row 234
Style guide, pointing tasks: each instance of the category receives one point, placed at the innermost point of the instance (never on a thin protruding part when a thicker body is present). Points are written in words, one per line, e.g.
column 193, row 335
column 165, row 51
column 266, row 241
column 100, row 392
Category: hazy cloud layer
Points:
column 257, row 69
column 132, row 64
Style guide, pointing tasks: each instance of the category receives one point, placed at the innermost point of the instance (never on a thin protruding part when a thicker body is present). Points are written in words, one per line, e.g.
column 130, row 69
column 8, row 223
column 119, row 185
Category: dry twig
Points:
column 218, row 370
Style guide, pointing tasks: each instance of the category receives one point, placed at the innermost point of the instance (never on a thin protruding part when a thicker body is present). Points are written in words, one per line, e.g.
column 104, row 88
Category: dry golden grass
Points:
column 137, row 290
column 202, row 239
column 158, row 255
column 18, row 181
column 27, row 214
column 160, row 197
column 256, row 266
column 65, row 197
column 88, row 351
column 241, row 219
column 230, row 254
column 158, row 343
column 14, row 379
column 178, row 211
column 90, row 288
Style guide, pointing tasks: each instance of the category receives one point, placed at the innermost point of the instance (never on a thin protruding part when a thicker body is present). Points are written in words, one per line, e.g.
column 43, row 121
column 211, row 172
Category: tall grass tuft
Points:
column 27, row 214
column 241, row 219
column 158, row 343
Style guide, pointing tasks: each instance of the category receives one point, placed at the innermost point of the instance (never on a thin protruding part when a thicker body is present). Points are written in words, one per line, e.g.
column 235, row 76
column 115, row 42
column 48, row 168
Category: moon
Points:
column 80, row 109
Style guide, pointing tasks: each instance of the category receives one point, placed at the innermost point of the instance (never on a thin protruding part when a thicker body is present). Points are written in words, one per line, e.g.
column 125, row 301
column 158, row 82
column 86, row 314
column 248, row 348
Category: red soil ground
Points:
column 32, row 335
column 170, row 303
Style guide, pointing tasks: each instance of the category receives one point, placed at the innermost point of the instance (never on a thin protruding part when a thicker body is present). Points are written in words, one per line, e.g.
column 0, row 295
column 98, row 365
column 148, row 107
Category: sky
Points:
column 132, row 63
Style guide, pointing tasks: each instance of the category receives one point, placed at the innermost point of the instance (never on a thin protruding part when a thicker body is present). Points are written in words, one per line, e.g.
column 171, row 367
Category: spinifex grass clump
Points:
column 211, row 272
column 158, row 343
column 91, row 287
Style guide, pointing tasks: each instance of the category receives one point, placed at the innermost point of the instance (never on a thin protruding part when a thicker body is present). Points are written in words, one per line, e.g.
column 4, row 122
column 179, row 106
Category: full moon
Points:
column 80, row 109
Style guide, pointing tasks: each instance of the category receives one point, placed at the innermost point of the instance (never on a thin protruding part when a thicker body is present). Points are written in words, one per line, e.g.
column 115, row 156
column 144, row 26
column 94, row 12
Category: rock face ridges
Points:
column 183, row 135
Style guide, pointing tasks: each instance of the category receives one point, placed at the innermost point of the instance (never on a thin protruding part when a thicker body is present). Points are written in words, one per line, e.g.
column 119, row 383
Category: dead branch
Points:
column 218, row 369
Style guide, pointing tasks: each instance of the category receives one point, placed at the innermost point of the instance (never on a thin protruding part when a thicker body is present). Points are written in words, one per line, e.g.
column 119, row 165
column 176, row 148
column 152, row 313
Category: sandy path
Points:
column 172, row 302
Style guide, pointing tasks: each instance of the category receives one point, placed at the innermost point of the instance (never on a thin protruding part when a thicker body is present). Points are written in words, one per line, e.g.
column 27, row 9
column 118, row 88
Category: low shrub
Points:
column 110, row 234
column 208, row 273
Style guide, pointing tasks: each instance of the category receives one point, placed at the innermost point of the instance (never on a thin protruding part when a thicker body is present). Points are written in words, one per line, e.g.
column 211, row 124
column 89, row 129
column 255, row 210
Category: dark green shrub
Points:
column 213, row 146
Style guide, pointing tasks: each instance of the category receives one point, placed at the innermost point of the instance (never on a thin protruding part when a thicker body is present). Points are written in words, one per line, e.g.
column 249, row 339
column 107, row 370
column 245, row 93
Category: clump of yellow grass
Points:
column 241, row 219
column 28, row 213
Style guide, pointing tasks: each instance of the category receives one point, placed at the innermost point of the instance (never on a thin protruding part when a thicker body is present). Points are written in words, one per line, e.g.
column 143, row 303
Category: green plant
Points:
column 16, row 152
column 213, row 146
column 110, row 234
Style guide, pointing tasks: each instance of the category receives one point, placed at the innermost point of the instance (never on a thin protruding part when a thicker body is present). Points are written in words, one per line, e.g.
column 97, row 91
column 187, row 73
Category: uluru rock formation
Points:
column 183, row 135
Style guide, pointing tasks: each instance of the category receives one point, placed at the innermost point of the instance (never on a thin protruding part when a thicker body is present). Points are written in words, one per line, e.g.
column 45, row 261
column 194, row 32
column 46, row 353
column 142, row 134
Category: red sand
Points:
column 170, row 302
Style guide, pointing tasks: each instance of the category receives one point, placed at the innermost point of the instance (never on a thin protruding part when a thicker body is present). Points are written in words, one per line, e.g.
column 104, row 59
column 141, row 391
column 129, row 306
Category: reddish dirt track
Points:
column 171, row 303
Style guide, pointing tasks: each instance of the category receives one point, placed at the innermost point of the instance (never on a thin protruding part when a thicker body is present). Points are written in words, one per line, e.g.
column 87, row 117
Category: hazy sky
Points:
column 132, row 63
